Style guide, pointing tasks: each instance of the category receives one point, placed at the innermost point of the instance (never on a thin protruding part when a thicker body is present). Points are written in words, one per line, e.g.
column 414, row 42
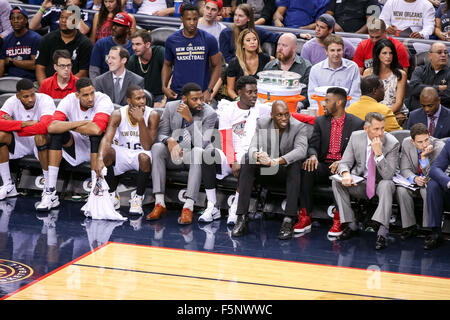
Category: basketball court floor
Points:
column 64, row 256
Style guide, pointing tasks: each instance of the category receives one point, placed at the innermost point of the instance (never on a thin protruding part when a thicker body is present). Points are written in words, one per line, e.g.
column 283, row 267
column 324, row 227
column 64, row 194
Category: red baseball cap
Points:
column 218, row 2
column 123, row 19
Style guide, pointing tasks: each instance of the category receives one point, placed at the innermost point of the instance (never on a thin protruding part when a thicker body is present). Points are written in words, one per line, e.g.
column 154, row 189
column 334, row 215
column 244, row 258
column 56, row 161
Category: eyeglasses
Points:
column 64, row 66
column 440, row 52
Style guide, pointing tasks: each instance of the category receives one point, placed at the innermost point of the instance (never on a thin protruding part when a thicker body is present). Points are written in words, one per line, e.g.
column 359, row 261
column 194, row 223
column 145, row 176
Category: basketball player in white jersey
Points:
column 135, row 128
column 75, row 133
column 24, row 118
column 237, row 125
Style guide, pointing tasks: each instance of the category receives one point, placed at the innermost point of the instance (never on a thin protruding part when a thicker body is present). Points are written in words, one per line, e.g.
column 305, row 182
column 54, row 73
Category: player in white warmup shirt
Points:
column 134, row 127
column 24, row 118
column 77, row 139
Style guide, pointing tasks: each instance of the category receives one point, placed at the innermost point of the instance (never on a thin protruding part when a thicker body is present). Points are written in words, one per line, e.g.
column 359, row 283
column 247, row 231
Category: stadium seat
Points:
column 400, row 135
column 300, row 43
column 269, row 48
column 150, row 100
column 8, row 84
column 160, row 35
column 4, row 97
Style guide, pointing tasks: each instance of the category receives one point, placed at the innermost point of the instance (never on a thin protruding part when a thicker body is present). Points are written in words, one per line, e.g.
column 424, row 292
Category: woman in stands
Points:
column 442, row 21
column 243, row 19
column 102, row 23
column 386, row 66
column 249, row 60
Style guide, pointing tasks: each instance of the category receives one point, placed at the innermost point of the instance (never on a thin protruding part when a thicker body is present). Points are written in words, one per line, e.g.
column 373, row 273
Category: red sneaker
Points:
column 335, row 230
column 304, row 222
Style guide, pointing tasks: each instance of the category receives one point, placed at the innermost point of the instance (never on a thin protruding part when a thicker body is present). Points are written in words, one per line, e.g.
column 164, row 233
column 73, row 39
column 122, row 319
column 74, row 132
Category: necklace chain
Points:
column 142, row 68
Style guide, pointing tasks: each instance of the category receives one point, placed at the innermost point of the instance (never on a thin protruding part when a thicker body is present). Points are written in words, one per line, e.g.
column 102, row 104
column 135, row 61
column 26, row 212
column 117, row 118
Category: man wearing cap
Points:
column 120, row 32
column 209, row 22
column 314, row 49
column 18, row 52
column 71, row 39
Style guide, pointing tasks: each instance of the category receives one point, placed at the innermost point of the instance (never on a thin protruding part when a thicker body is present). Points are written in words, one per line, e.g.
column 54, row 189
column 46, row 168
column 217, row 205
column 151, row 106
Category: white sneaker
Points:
column 8, row 190
column 49, row 201
column 210, row 213
column 136, row 205
column 232, row 217
column 115, row 200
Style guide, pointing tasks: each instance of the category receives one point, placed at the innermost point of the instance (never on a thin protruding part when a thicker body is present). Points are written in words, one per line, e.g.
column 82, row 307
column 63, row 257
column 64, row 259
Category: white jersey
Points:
column 127, row 134
column 44, row 105
column 242, row 124
column 70, row 106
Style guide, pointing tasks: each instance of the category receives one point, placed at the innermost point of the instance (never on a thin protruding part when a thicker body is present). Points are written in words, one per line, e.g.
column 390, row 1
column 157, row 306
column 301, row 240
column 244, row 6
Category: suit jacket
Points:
column 319, row 142
column 201, row 130
column 105, row 84
column 292, row 147
column 442, row 129
column 355, row 155
column 442, row 162
column 409, row 160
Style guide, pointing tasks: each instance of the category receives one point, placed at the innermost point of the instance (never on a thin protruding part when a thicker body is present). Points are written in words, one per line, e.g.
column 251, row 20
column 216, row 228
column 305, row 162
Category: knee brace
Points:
column 42, row 148
column 95, row 143
column 58, row 140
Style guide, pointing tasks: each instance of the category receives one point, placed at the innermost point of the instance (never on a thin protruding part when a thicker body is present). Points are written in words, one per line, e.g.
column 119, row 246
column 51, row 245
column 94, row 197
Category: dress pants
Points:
column 384, row 189
column 290, row 175
column 161, row 161
column 405, row 198
column 437, row 198
column 308, row 180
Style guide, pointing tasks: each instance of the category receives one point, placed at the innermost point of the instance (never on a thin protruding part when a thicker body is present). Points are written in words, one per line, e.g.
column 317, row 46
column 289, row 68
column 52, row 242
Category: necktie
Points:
column 431, row 126
column 117, row 88
column 370, row 185
column 420, row 168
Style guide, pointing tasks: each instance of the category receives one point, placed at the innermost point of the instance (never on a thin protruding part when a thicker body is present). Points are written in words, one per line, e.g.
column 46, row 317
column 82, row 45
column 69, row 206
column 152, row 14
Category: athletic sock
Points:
column 52, row 177
column 111, row 179
column 5, row 173
column 142, row 179
column 211, row 195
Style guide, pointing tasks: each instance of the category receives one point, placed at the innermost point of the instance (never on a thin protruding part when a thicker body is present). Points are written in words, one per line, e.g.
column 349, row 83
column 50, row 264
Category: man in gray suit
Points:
column 115, row 82
column 184, row 132
column 418, row 153
column 373, row 154
column 275, row 153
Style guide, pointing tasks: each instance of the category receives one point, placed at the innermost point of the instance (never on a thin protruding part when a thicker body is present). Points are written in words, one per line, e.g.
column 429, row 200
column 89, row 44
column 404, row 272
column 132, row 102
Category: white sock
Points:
column 45, row 172
column 211, row 195
column 93, row 175
column 189, row 204
column 52, row 176
column 159, row 199
column 236, row 199
column 5, row 173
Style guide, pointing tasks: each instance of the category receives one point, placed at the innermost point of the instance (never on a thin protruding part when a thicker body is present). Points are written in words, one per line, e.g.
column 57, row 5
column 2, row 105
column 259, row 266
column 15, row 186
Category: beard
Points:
column 283, row 58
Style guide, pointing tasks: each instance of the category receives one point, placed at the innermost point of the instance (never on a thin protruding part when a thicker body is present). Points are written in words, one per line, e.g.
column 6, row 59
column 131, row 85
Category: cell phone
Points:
column 59, row 2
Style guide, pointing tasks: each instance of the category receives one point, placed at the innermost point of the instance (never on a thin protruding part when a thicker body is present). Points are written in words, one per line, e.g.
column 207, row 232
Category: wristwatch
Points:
column 210, row 90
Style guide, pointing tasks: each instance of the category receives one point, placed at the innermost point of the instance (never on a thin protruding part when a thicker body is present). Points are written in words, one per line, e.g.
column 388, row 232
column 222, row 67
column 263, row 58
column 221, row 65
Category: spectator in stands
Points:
column 76, row 130
column 208, row 22
column 352, row 16
column 325, row 149
column 335, row 71
column 18, row 53
column 434, row 73
column 5, row 26
column 387, row 67
column 191, row 55
column 432, row 114
column 442, row 21
column 23, row 128
column 103, row 20
column 281, row 163
column 409, row 18
column 73, row 40
column 63, row 81
column 288, row 60
column 243, row 19
column 377, row 31
column 314, row 49
column 438, row 196
column 115, row 82
column 147, row 62
column 418, row 153
column 248, row 62
column 48, row 15
column 372, row 92
column 121, row 30
column 160, row 7
column 263, row 10
column 299, row 13
column 185, row 131
column 373, row 154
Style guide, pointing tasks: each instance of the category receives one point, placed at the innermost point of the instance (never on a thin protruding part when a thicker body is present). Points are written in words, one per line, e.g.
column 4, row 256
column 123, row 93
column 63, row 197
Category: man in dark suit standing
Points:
column 438, row 196
column 115, row 82
column 276, row 150
column 432, row 114
column 325, row 149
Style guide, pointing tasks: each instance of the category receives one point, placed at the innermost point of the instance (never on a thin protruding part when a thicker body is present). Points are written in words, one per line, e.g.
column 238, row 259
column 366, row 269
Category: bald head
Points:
column 430, row 101
column 286, row 47
column 280, row 114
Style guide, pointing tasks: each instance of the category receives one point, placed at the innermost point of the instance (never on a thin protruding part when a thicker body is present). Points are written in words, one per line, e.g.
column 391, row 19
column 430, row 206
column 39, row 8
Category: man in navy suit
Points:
column 438, row 196
column 434, row 115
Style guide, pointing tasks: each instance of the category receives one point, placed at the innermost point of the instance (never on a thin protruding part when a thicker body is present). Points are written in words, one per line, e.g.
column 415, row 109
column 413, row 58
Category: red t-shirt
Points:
column 363, row 53
column 50, row 87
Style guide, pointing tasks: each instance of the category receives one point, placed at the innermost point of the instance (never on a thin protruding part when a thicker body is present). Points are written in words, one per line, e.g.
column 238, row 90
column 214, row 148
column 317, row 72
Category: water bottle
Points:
column 177, row 5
